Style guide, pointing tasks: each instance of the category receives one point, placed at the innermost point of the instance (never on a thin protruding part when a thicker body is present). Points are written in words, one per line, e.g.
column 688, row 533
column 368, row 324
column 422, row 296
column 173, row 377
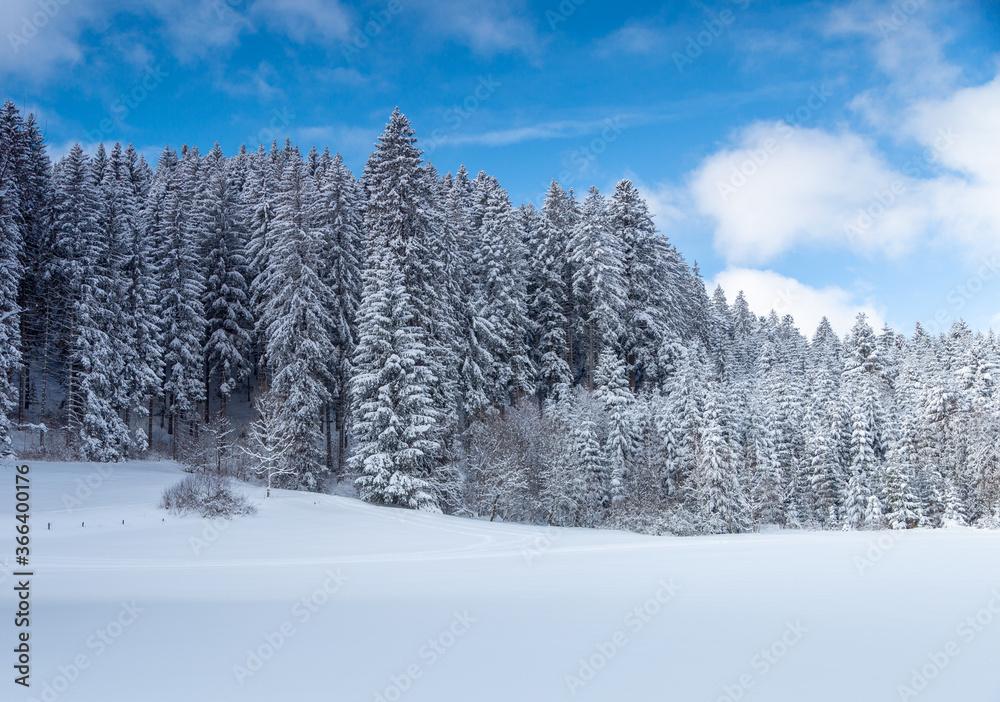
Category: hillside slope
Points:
column 326, row 598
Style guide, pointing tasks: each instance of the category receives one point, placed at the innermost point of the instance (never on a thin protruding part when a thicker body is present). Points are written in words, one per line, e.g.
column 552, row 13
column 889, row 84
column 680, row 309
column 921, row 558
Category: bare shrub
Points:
column 208, row 495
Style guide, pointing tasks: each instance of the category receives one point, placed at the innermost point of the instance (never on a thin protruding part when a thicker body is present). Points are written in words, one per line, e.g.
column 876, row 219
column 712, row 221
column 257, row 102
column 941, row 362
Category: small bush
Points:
column 208, row 495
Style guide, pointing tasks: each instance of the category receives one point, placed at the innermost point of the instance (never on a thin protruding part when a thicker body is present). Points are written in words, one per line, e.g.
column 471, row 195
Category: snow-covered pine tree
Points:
column 297, row 321
column 984, row 459
column 440, row 276
column 679, row 420
column 720, row 493
column 501, row 293
column 825, row 472
column 980, row 428
column 550, row 304
column 591, row 476
column 239, row 171
column 681, row 306
column 134, row 326
column 259, row 193
column 341, row 213
column 745, row 338
column 645, row 284
column 767, row 485
column 475, row 360
column 721, row 336
column 176, row 228
column 793, row 349
column 226, row 298
column 396, row 399
column 616, row 399
column 74, row 224
column 98, row 345
column 144, row 374
column 863, row 377
column 954, row 510
column 393, row 412
column 599, row 291
column 11, row 271
column 563, row 484
column 901, row 506
column 33, row 174
column 823, row 366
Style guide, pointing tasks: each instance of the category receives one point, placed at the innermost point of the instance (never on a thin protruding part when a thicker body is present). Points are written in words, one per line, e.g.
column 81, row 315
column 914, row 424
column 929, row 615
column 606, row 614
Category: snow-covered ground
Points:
column 326, row 598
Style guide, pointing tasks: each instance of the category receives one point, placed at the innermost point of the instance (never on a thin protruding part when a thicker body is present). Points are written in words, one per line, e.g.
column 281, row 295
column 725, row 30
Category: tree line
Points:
column 445, row 350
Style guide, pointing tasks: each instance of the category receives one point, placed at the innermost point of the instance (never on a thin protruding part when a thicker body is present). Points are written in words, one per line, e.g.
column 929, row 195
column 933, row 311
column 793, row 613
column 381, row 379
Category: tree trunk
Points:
column 24, row 389
column 329, row 436
column 208, row 393
column 21, row 394
column 173, row 434
column 44, row 381
column 128, row 428
column 71, row 397
column 342, row 443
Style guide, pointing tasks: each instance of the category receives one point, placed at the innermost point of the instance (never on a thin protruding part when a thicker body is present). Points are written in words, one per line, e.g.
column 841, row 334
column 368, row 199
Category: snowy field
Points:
column 326, row 598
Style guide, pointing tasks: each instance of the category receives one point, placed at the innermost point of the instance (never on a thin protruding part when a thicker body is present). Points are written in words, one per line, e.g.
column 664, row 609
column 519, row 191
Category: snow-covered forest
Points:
column 420, row 337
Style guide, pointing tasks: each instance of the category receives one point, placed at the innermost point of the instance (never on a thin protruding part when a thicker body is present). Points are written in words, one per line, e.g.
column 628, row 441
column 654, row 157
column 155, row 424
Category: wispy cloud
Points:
column 556, row 129
column 636, row 37
column 907, row 40
column 264, row 82
column 194, row 30
column 305, row 20
column 485, row 26
column 35, row 44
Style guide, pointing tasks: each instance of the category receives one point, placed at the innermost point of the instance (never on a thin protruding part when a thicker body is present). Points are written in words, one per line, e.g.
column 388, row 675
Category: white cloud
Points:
column 635, row 37
column 777, row 188
column 36, row 42
column 40, row 42
column 902, row 42
column 560, row 129
column 781, row 186
column 303, row 20
column 42, row 39
column 766, row 290
column 485, row 26
column 193, row 29
column 263, row 81
column 972, row 117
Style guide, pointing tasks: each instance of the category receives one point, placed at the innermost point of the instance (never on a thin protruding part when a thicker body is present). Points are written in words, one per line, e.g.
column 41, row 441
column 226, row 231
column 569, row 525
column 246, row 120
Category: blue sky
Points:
column 824, row 157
